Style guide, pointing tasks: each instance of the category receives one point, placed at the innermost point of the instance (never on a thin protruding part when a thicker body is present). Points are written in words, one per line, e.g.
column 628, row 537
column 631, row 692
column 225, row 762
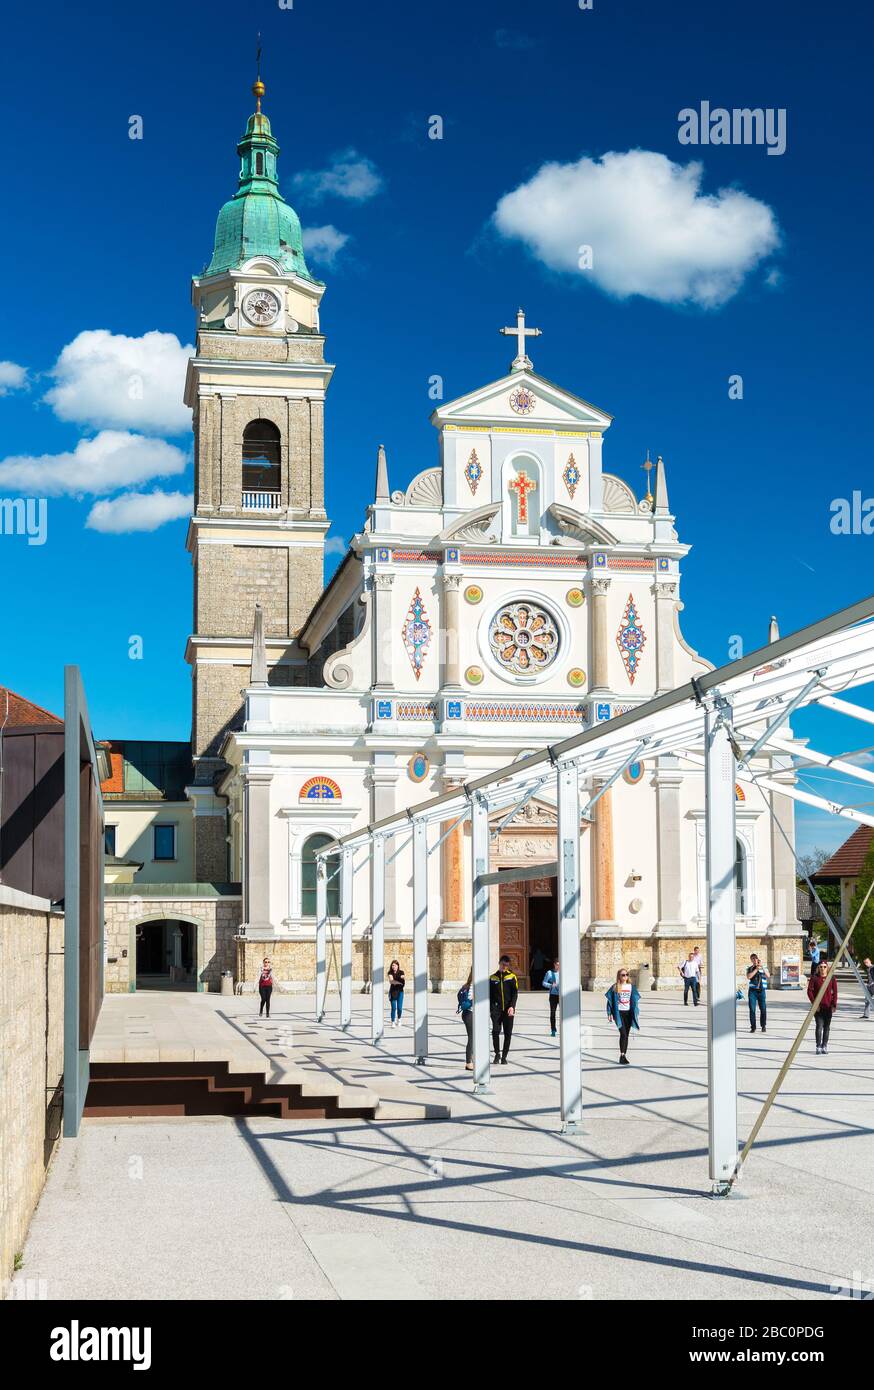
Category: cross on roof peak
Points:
column 520, row 333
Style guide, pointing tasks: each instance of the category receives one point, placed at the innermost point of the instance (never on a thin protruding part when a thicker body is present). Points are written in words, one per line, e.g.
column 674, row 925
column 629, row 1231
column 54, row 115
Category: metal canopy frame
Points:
column 720, row 722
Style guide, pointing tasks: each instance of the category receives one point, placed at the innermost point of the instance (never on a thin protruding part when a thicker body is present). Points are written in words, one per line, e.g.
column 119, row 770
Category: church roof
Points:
column 258, row 221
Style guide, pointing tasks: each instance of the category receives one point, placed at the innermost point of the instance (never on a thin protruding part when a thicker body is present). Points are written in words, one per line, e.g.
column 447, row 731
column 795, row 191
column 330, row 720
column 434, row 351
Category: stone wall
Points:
column 601, row 957
column 217, row 920
column 31, row 1060
column 294, row 962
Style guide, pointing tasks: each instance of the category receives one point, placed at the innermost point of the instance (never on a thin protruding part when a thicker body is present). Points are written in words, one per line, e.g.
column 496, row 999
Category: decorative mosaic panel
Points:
column 522, row 400
column 571, row 476
column 532, row 558
column 418, row 767
column 521, row 485
column 416, row 709
column 491, row 711
column 631, row 639
column 473, row 472
column 427, row 557
column 320, row 789
column 624, row 563
column 416, row 633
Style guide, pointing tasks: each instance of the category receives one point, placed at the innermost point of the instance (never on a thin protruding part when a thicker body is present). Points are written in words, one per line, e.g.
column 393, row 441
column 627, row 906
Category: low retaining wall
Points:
column 31, row 1060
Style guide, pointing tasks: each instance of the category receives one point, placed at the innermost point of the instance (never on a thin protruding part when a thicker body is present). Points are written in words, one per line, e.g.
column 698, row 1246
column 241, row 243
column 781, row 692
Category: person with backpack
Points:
column 550, row 982
column 465, row 1008
column 623, row 1006
column 757, row 985
column 827, row 1005
column 503, row 994
column 396, row 985
column 265, row 986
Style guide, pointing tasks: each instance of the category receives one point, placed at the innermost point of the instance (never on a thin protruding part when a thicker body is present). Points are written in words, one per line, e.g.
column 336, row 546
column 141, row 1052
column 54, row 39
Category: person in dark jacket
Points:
column 396, row 985
column 623, row 1006
column 757, row 988
column 503, row 993
column 869, row 981
column 829, row 1002
column 465, row 1008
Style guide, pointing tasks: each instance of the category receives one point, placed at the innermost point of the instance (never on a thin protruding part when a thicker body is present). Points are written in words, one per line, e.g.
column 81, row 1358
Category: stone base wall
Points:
column 217, row 921
column 31, row 1061
column 449, row 959
column 601, row 957
column 294, row 962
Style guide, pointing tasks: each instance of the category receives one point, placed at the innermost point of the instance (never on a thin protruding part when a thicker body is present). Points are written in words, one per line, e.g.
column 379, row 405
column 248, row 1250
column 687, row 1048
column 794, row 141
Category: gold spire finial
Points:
column 648, row 466
column 258, row 88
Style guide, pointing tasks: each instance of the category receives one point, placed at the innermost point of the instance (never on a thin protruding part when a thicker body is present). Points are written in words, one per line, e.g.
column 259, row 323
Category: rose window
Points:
column 523, row 638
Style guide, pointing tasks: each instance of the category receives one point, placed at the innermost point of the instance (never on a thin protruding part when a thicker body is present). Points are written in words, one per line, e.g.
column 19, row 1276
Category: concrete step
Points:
column 211, row 1088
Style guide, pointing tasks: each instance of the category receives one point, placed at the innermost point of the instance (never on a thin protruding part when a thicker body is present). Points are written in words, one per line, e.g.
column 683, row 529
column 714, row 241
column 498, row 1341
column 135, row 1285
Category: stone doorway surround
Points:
column 214, row 910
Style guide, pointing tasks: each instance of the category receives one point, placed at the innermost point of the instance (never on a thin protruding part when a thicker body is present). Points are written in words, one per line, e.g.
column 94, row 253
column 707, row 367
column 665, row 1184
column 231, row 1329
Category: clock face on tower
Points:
column 261, row 307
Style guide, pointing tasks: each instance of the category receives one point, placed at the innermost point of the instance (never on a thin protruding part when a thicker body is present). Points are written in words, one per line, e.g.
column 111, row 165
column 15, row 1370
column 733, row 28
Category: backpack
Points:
column 464, row 1000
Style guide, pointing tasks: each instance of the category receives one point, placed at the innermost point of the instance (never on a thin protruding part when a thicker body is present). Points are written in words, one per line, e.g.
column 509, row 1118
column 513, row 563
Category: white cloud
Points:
column 335, row 545
column 651, row 229
column 109, row 381
column 322, row 244
column 349, row 175
column 111, row 460
column 12, row 377
column 139, row 511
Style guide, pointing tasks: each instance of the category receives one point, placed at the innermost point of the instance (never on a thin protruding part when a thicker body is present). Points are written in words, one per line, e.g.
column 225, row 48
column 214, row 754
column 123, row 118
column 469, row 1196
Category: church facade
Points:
column 512, row 592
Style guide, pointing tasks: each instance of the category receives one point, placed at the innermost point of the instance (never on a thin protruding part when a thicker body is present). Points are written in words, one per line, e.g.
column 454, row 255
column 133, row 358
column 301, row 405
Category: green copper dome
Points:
column 258, row 221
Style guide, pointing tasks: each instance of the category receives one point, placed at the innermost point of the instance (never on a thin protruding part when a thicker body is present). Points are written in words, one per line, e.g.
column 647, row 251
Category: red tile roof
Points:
column 847, row 861
column 115, row 755
column 17, row 712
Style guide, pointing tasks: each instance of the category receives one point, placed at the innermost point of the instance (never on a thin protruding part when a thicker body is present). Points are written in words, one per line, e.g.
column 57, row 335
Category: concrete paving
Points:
column 493, row 1203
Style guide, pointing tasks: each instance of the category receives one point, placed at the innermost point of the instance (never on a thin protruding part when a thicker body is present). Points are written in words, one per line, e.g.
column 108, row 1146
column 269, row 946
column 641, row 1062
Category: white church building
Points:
column 512, row 592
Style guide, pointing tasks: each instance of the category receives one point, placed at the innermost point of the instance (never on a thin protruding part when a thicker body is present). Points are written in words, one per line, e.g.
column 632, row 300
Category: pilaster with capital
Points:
column 453, row 913
column 600, row 590
column 382, row 634
column 665, row 594
column 256, row 835
column 668, row 779
column 603, row 866
column 451, row 677
column 383, row 778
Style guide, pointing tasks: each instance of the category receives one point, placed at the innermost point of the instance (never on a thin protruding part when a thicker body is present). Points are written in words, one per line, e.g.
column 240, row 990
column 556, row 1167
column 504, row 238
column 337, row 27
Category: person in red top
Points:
column 265, row 986
column 829, row 1002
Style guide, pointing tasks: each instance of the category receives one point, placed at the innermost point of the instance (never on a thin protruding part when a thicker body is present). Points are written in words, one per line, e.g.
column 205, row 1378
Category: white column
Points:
column 665, row 593
column 377, row 938
column 322, row 872
column 719, row 833
column 420, row 940
column 569, row 946
column 480, row 942
column 382, row 631
column 345, row 938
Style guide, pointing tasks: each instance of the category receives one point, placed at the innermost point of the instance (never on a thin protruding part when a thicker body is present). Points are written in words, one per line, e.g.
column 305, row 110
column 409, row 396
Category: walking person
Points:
column 536, row 967
column 503, row 994
column 690, row 969
column 757, row 986
column 623, row 1006
column 814, row 953
column 465, row 1008
column 265, row 986
column 550, row 982
column 829, row 1002
column 396, row 985
column 868, row 970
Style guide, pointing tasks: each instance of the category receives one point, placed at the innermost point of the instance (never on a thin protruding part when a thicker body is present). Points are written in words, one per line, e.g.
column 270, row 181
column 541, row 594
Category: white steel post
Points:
column 377, row 938
column 345, row 937
column 480, row 943
column 719, row 780
column 569, row 946
column 322, row 871
column 420, row 940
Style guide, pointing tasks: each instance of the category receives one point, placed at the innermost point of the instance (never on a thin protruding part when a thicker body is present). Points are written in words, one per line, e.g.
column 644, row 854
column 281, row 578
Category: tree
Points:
column 862, row 943
column 810, row 863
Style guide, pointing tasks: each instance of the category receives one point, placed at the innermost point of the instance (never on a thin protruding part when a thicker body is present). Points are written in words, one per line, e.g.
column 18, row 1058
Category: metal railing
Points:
column 261, row 501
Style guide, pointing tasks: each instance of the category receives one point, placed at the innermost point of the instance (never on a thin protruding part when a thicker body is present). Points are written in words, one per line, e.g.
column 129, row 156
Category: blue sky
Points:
column 104, row 233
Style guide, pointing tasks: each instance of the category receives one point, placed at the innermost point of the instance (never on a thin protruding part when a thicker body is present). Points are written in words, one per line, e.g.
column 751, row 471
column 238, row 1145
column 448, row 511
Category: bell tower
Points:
column 256, row 388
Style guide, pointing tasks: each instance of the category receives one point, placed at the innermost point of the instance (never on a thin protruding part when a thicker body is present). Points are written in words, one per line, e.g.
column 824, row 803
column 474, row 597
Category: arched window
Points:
column 261, row 457
column 308, row 877
column 259, row 164
column 740, row 879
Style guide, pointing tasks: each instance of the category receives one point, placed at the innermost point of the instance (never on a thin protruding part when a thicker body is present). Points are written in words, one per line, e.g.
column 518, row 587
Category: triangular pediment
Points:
column 505, row 402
